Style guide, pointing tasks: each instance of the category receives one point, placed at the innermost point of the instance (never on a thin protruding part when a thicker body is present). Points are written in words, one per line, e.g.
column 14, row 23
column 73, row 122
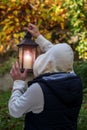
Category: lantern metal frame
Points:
column 27, row 42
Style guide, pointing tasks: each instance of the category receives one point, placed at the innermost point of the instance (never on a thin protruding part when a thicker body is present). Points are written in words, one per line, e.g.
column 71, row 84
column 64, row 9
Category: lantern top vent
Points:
column 27, row 41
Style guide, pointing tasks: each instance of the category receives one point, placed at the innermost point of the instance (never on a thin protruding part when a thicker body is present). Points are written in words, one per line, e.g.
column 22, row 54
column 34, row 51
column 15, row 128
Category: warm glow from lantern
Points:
column 27, row 53
column 27, row 60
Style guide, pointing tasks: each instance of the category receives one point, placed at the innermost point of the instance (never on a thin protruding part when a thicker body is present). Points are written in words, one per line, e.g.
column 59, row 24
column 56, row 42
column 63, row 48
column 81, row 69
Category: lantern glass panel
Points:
column 27, row 55
column 20, row 58
column 27, row 58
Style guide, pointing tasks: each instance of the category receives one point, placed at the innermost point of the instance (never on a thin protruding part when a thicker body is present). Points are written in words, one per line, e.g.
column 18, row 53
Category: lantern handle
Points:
column 28, row 35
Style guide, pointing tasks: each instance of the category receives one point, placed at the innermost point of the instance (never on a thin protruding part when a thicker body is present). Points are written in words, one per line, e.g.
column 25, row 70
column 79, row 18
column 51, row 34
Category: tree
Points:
column 77, row 25
column 16, row 14
column 58, row 20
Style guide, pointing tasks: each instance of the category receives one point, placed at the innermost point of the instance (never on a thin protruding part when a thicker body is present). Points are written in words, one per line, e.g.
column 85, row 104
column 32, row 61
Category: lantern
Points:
column 27, row 53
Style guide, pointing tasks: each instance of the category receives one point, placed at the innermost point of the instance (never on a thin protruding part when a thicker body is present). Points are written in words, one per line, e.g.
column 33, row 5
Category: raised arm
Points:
column 44, row 44
column 23, row 98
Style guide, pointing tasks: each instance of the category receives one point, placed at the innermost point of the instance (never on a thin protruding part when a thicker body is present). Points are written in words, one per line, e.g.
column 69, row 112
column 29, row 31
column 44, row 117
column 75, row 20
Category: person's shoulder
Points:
column 63, row 44
column 35, row 87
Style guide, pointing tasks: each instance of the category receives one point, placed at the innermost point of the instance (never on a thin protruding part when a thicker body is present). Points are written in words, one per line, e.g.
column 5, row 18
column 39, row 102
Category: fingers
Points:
column 16, row 73
column 32, row 26
column 25, row 73
column 12, row 69
column 29, row 30
column 33, row 30
column 17, row 68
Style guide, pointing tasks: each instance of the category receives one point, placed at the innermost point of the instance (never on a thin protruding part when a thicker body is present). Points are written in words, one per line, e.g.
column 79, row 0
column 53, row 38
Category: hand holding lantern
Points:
column 16, row 73
column 33, row 30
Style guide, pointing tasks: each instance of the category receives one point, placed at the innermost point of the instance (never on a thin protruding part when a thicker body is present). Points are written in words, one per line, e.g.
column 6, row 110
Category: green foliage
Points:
column 75, row 14
column 6, row 121
column 82, row 122
column 6, row 66
column 82, row 49
column 81, row 70
column 58, row 20
column 77, row 19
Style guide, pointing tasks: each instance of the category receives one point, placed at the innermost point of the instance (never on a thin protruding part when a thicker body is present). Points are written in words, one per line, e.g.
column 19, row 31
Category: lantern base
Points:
column 29, row 70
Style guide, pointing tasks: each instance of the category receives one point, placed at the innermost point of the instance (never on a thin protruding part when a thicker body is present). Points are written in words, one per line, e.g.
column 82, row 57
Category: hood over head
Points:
column 59, row 58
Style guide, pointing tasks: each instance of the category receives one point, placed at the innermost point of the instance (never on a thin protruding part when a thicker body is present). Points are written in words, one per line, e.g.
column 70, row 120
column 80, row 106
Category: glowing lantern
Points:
column 27, row 53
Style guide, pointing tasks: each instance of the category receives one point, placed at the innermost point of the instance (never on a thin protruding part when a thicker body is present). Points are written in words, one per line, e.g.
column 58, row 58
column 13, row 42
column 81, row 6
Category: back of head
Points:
column 57, row 59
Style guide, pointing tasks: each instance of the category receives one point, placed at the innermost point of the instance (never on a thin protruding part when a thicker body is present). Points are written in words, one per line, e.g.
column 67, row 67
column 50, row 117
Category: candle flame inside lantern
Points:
column 27, row 60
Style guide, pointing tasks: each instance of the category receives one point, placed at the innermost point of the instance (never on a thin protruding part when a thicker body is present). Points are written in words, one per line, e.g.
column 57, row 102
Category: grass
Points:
column 6, row 121
column 9, row 123
column 82, row 122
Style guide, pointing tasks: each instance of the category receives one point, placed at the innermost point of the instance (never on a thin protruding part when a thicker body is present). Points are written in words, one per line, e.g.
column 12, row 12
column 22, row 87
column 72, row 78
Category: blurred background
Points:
column 59, row 21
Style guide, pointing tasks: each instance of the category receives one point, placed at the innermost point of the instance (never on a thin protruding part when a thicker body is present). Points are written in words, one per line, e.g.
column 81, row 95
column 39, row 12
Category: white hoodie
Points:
column 57, row 58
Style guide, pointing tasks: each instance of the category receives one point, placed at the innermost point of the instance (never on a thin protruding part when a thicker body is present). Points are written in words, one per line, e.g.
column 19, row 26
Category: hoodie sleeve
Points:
column 44, row 44
column 24, row 100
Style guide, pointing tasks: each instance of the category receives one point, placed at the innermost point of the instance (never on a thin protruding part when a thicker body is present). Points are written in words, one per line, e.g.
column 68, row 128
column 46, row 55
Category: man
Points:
column 52, row 100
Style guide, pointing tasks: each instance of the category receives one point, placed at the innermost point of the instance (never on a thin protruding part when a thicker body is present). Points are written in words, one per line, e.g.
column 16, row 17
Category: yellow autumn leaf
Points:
column 15, row 12
column 8, row 37
column 10, row 29
column 10, row 16
column 57, row 10
column 2, row 6
column 1, row 48
column 16, row 41
column 17, row 24
column 15, row 35
column 5, row 27
column 13, row 0
column 16, row 20
column 21, row 35
column 62, row 25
